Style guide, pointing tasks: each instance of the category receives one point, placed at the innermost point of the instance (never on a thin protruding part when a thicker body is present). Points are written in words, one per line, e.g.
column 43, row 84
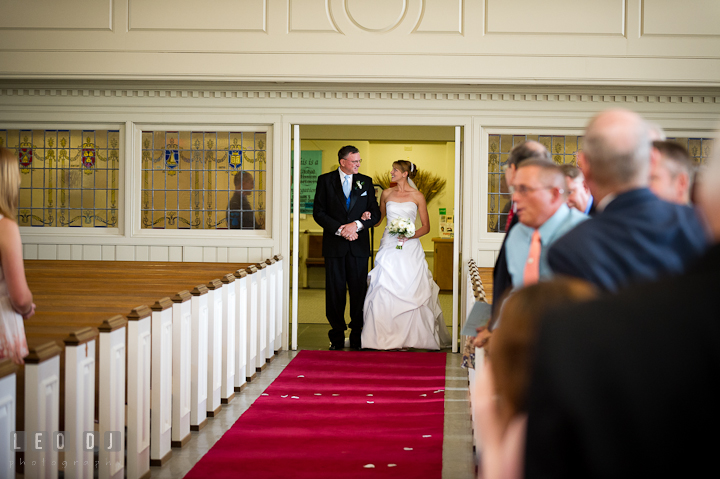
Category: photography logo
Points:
column 22, row 441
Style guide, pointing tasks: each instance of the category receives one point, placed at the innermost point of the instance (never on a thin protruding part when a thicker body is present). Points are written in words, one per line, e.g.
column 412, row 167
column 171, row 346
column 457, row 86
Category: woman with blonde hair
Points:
column 16, row 301
column 501, row 386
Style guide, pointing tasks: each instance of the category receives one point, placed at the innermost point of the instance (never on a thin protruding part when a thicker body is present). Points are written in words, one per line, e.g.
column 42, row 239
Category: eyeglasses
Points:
column 523, row 190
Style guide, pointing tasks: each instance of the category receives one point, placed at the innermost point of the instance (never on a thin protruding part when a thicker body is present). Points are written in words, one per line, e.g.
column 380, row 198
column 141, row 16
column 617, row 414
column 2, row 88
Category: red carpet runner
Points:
column 340, row 414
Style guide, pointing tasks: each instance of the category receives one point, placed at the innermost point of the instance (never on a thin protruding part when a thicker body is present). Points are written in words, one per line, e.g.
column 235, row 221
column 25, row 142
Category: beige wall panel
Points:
column 556, row 17
column 64, row 252
column 76, row 252
column 441, row 16
column 92, row 252
column 109, row 253
column 176, row 253
column 125, row 253
column 689, row 17
column 56, row 15
column 209, row 15
column 142, row 253
column 30, row 251
column 237, row 255
column 47, row 251
column 310, row 16
column 193, row 254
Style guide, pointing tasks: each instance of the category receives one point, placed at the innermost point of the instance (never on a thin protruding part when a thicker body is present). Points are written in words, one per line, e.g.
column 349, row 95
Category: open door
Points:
column 387, row 142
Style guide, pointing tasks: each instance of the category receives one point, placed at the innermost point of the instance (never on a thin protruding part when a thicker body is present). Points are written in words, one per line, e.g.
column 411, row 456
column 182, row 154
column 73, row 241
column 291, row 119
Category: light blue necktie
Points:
column 346, row 190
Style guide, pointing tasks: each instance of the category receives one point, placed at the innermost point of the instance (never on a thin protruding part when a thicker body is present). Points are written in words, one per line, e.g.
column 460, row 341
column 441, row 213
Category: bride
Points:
column 401, row 306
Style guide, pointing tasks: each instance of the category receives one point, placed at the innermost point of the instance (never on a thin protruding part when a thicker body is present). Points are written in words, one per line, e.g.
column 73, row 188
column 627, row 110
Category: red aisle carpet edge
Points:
column 340, row 414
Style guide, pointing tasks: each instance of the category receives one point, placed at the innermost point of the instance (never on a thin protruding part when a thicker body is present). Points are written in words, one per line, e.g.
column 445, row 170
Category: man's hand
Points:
column 366, row 216
column 352, row 237
column 349, row 230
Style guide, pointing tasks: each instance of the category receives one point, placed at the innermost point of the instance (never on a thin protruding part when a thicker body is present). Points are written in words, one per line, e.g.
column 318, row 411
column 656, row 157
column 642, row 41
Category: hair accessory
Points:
column 412, row 167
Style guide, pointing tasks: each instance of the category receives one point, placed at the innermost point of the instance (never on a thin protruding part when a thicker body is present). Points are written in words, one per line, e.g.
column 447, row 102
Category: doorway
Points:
column 432, row 149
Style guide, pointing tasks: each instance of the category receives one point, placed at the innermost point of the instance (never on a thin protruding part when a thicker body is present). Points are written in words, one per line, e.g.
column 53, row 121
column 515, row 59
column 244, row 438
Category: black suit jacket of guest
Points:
column 637, row 237
column 625, row 386
column 502, row 282
column 329, row 211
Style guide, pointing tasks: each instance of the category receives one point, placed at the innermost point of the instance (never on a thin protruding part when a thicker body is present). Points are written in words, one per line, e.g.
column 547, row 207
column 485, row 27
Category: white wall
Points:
column 611, row 42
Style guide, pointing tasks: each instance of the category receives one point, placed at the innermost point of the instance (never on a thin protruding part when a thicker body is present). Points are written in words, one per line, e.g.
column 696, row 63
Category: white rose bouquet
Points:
column 401, row 227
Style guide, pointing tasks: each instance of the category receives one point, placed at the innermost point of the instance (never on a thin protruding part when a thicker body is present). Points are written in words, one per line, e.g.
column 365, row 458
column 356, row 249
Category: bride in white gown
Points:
column 401, row 306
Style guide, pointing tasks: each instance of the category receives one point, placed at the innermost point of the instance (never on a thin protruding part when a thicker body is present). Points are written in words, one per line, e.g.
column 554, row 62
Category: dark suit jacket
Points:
column 638, row 237
column 501, row 276
column 626, row 386
column 329, row 212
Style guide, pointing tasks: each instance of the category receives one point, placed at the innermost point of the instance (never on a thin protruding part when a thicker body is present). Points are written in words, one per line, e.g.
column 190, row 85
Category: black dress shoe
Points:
column 336, row 347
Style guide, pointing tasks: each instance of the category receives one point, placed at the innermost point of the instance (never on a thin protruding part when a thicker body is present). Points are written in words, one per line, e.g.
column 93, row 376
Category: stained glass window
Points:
column 563, row 150
column 698, row 148
column 189, row 180
column 69, row 178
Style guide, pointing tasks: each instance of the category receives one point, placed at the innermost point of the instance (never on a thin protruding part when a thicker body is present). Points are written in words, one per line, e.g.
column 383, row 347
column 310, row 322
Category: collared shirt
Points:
column 342, row 179
column 605, row 201
column 589, row 205
column 517, row 246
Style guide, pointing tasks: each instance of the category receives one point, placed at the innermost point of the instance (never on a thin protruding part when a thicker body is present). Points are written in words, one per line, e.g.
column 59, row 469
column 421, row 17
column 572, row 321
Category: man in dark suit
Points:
column 635, row 236
column 341, row 197
column 625, row 386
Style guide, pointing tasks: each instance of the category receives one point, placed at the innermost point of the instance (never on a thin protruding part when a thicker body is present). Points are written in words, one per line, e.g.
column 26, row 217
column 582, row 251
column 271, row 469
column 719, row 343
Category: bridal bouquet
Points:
column 401, row 227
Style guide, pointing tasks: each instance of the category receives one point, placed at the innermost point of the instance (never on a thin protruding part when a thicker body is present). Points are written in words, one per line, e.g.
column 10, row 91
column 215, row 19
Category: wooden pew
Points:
column 176, row 324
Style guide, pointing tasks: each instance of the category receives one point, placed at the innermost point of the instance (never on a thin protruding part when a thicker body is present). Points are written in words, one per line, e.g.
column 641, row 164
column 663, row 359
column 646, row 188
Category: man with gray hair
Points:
column 635, row 236
column 625, row 386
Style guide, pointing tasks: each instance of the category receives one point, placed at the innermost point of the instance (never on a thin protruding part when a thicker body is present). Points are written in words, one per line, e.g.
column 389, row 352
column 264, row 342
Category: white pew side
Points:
column 199, row 357
column 139, row 348
column 181, row 370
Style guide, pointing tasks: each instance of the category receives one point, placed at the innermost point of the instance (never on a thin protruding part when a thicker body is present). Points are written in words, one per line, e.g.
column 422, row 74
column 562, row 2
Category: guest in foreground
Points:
column 635, row 236
column 626, row 386
column 501, row 386
column 16, row 301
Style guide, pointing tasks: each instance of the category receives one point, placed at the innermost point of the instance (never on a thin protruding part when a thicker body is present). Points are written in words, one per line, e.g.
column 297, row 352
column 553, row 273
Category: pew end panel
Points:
column 111, row 384
column 279, row 303
column 229, row 324
column 181, row 368
column 139, row 348
column 215, row 357
column 161, row 381
column 271, row 285
column 241, row 329
column 252, row 321
column 262, row 333
column 80, row 349
column 199, row 357
column 42, row 406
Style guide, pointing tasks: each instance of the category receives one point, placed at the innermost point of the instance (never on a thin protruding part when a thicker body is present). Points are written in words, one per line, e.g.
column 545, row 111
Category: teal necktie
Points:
column 346, row 190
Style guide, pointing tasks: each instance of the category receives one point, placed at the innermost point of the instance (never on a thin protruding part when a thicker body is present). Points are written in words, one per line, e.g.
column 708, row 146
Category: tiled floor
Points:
column 458, row 462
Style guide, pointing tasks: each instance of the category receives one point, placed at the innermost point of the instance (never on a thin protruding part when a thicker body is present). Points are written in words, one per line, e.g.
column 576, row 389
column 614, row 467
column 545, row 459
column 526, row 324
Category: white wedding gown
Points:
column 401, row 306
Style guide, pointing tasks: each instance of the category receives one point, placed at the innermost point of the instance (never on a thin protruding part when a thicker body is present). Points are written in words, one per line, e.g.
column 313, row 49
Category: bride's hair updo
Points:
column 406, row 167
